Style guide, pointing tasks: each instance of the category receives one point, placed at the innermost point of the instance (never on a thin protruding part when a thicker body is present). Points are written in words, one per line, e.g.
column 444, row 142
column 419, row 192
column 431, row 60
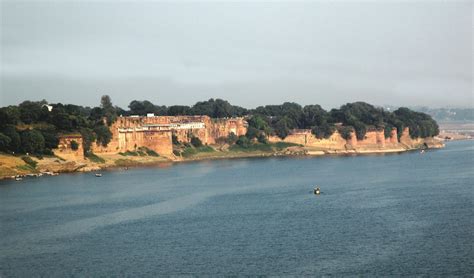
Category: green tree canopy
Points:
column 32, row 141
column 4, row 142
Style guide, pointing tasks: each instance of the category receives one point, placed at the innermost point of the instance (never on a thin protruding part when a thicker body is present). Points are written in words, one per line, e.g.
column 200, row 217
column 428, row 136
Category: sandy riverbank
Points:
column 13, row 166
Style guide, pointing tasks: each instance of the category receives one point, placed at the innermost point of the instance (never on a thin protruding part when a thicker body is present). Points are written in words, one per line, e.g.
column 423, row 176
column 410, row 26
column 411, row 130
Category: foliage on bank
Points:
column 34, row 127
column 359, row 116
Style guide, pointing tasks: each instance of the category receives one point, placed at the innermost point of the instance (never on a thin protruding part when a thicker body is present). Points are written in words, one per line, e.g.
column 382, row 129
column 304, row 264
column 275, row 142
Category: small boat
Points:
column 422, row 151
column 316, row 191
column 98, row 175
column 18, row 179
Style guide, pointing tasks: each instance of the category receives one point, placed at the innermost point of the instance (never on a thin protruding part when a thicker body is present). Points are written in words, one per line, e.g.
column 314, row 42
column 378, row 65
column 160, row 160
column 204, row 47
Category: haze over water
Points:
column 400, row 214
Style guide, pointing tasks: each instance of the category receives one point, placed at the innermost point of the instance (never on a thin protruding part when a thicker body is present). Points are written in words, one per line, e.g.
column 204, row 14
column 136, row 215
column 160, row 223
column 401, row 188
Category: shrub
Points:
column 28, row 160
column 94, row 158
column 205, row 149
column 46, row 152
column 232, row 138
column 74, row 145
column 129, row 153
column 151, row 153
column 283, row 145
column 345, row 132
column 196, row 142
column 187, row 152
column 174, row 139
column 262, row 138
column 243, row 141
column 323, row 131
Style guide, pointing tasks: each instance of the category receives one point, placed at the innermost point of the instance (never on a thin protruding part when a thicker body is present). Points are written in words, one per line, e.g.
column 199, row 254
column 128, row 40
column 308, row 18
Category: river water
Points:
column 397, row 214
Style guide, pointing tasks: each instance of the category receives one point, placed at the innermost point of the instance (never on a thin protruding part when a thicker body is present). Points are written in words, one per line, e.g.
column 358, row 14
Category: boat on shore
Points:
column 98, row 175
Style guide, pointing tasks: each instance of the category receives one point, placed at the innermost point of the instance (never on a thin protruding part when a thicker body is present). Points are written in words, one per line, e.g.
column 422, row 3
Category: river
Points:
column 397, row 214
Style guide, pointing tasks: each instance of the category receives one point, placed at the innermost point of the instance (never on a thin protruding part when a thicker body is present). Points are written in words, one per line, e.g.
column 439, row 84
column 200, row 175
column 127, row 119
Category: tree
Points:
column 252, row 132
column 243, row 141
column 282, row 128
column 15, row 140
column 87, row 138
column 323, row 131
column 196, row 142
column 96, row 114
column 314, row 115
column 32, row 141
column 420, row 124
column 360, row 129
column 9, row 115
column 346, row 132
column 258, row 122
column 50, row 139
column 103, row 135
column 106, row 103
column 217, row 108
column 4, row 142
column 60, row 119
column 232, row 138
column 141, row 107
column 178, row 110
column 3, row 119
column 109, row 110
column 30, row 111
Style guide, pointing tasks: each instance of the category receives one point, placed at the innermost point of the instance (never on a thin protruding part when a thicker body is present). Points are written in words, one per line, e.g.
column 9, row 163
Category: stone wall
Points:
column 374, row 139
column 219, row 128
column 393, row 139
column 129, row 133
column 64, row 149
column 306, row 138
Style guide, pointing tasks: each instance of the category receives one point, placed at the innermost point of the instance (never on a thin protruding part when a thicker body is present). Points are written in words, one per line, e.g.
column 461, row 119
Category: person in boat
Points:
column 317, row 191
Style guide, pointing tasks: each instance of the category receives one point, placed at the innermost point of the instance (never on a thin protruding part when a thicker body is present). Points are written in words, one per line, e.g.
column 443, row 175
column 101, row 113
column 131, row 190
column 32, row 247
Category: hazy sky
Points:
column 330, row 53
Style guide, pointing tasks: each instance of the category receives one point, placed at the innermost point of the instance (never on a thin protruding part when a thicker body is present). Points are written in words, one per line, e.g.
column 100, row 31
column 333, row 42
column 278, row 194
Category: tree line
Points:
column 31, row 127
column 358, row 116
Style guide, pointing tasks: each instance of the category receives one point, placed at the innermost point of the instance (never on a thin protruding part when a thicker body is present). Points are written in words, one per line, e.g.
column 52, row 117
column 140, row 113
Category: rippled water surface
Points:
column 401, row 214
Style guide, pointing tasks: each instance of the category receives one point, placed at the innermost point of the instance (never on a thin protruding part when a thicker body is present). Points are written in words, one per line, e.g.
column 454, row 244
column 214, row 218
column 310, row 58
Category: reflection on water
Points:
column 378, row 215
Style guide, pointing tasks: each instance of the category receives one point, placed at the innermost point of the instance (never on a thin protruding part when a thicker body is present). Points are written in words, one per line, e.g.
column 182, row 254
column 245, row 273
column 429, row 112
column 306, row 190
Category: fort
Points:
column 65, row 149
column 374, row 140
column 156, row 133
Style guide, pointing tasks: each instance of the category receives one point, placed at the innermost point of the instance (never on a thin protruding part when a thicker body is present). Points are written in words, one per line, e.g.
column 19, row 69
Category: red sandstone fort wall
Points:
column 373, row 139
column 129, row 133
column 64, row 149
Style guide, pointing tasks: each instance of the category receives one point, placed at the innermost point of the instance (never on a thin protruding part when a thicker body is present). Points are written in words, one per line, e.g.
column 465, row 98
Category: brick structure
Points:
column 64, row 149
column 374, row 139
column 154, row 132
